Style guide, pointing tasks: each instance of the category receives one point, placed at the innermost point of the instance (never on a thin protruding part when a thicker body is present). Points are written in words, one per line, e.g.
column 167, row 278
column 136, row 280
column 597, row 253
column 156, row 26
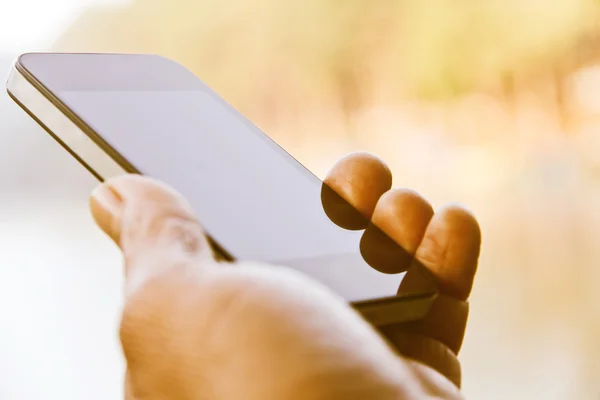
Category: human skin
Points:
column 196, row 328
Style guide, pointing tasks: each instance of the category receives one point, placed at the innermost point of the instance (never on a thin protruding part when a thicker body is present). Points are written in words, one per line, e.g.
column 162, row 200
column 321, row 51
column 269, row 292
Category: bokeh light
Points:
column 491, row 103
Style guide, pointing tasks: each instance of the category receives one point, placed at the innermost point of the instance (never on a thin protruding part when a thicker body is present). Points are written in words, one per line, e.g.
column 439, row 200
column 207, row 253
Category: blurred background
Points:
column 491, row 103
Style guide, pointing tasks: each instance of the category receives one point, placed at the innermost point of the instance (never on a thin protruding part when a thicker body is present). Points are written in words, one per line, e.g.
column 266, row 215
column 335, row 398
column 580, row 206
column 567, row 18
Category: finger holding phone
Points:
column 190, row 318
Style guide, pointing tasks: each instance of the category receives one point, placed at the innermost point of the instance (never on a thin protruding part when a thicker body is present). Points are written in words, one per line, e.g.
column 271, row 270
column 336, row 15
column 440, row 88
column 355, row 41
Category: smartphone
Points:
column 145, row 114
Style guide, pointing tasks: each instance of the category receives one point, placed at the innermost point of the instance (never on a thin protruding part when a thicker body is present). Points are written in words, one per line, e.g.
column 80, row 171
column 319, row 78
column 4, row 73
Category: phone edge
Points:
column 379, row 312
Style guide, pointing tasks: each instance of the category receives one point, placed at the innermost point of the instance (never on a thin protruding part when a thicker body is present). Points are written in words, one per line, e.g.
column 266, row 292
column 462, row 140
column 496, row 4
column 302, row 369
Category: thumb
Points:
column 147, row 220
column 191, row 330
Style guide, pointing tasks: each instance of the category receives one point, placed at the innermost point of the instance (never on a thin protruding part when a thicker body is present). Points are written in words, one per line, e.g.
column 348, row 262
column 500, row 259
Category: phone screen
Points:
column 251, row 197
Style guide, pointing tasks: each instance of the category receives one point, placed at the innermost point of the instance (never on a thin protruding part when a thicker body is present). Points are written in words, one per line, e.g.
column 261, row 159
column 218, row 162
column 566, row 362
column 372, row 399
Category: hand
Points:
column 193, row 328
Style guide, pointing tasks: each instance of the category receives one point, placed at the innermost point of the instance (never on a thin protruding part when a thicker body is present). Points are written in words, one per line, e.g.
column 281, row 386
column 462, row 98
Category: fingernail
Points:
column 108, row 199
column 106, row 205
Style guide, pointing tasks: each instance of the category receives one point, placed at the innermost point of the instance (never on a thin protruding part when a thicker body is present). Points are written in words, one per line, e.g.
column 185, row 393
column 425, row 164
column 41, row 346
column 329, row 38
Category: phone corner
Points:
column 21, row 58
column 172, row 63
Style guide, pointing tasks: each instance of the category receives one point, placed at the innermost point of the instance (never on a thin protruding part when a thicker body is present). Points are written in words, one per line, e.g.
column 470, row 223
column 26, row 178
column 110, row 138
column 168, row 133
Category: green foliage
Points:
column 439, row 48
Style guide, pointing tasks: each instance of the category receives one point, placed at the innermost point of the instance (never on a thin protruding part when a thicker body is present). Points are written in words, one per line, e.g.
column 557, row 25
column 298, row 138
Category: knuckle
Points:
column 180, row 229
column 165, row 226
